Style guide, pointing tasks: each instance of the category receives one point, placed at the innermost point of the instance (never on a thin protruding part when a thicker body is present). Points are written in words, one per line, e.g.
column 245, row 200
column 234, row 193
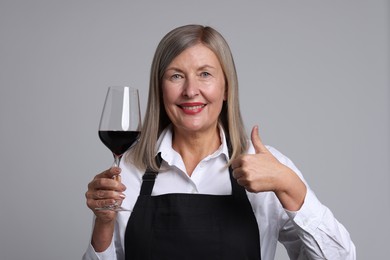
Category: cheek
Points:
column 168, row 98
column 165, row 95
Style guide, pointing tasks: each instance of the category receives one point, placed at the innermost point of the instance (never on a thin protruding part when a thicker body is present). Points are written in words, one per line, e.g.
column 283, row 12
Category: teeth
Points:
column 193, row 107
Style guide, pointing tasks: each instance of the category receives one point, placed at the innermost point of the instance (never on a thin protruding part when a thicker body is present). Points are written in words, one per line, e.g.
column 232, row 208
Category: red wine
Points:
column 118, row 141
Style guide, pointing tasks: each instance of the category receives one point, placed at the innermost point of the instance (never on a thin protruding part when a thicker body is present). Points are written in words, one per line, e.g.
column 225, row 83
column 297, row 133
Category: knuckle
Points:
column 90, row 203
column 100, row 204
column 102, row 183
column 250, row 188
column 245, row 159
column 245, row 169
column 100, row 194
column 99, row 182
column 91, row 184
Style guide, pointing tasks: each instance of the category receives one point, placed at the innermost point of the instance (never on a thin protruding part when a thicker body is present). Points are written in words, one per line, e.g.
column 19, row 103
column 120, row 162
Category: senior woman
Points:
column 197, row 186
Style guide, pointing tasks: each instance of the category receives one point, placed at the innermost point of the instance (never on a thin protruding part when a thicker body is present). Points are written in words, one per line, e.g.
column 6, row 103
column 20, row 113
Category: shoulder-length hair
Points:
column 156, row 118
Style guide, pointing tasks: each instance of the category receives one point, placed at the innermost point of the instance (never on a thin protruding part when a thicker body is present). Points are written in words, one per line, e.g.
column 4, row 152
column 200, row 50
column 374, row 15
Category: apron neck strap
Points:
column 149, row 177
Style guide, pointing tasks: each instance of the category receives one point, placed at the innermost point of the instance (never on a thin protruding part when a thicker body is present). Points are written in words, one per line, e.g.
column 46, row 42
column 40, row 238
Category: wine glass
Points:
column 120, row 125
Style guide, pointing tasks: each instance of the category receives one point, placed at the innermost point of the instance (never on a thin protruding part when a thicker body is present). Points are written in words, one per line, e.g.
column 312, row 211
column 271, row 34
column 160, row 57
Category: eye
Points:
column 176, row 76
column 205, row 74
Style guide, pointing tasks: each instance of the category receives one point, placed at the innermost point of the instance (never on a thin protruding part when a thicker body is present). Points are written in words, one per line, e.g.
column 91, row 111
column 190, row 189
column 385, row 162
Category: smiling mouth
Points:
column 192, row 107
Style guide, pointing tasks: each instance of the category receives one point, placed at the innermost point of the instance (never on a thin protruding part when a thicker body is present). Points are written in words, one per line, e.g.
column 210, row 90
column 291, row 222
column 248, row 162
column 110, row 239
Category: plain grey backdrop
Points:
column 313, row 74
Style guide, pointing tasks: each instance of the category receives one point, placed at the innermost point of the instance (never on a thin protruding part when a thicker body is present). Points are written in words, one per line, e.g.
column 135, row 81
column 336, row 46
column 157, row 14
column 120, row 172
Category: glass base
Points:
column 115, row 208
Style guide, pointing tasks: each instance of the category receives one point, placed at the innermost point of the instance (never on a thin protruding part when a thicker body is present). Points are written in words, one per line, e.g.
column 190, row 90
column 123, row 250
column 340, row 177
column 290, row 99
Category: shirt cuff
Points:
column 91, row 254
column 310, row 215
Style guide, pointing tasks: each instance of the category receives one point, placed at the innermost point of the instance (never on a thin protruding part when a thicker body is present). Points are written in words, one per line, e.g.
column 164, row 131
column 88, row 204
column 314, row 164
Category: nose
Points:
column 190, row 88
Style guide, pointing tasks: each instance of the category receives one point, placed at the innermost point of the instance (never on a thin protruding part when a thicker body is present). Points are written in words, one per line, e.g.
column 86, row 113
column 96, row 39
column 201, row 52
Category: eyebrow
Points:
column 206, row 67
column 200, row 68
column 173, row 68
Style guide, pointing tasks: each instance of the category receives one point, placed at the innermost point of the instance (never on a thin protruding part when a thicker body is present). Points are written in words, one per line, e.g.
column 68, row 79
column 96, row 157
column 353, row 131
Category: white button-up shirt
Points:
column 310, row 233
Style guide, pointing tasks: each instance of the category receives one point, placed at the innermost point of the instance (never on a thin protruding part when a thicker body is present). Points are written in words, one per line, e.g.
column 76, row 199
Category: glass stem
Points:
column 117, row 159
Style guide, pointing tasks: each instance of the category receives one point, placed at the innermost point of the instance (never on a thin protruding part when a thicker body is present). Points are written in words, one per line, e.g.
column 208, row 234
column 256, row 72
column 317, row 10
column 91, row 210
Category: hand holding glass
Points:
column 120, row 124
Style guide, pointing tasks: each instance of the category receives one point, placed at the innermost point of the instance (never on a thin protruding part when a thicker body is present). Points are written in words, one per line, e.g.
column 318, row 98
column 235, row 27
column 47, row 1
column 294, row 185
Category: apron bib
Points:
column 192, row 226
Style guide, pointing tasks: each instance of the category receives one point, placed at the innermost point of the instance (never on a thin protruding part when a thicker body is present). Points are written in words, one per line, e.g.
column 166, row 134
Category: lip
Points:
column 192, row 108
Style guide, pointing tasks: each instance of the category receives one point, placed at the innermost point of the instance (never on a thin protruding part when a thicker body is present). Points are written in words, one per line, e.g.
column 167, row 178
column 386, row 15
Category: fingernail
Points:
column 116, row 170
column 122, row 195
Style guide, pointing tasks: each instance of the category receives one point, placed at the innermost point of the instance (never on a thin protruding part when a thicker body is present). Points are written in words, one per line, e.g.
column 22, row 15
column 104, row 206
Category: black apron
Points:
column 191, row 226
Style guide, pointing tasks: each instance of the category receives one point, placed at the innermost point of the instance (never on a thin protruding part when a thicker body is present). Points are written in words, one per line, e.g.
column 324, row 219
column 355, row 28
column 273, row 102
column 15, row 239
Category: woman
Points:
column 197, row 186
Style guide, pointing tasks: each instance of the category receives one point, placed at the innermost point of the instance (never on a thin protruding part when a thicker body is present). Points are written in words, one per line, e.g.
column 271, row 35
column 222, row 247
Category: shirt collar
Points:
column 164, row 146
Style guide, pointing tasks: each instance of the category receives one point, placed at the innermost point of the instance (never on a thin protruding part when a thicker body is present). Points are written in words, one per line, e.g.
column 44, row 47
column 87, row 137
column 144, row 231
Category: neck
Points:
column 193, row 147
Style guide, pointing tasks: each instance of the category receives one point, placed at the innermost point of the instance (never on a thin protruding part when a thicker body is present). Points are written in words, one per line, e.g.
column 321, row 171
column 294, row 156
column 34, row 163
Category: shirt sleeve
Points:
column 113, row 252
column 313, row 232
column 319, row 233
column 91, row 254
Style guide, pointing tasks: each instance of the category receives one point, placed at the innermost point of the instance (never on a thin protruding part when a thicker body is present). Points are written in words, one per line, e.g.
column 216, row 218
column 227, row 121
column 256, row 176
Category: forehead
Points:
column 198, row 54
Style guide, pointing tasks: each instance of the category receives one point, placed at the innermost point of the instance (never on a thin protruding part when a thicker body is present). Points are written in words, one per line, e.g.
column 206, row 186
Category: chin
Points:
column 193, row 128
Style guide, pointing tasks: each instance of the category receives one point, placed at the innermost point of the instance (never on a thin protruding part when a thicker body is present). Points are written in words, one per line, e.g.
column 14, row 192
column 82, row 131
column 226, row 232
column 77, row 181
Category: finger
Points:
column 105, row 194
column 242, row 182
column 106, row 184
column 256, row 140
column 114, row 173
column 235, row 164
column 110, row 173
column 237, row 174
column 104, row 197
column 99, row 204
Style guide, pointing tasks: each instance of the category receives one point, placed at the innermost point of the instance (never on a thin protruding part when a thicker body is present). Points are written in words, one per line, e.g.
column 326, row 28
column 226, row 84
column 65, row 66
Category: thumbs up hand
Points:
column 257, row 172
column 261, row 172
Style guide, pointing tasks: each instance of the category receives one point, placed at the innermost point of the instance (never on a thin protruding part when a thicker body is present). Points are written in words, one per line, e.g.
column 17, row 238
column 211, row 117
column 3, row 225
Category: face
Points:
column 194, row 90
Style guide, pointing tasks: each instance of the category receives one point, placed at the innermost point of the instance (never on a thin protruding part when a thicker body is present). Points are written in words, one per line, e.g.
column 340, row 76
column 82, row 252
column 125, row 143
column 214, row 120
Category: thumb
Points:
column 256, row 140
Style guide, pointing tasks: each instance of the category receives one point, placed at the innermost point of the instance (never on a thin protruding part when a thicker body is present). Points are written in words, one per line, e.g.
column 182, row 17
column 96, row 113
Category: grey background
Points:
column 313, row 74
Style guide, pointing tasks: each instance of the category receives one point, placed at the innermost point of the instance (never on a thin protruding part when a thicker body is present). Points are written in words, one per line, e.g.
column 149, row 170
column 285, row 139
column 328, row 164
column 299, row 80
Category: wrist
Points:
column 291, row 190
column 102, row 234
